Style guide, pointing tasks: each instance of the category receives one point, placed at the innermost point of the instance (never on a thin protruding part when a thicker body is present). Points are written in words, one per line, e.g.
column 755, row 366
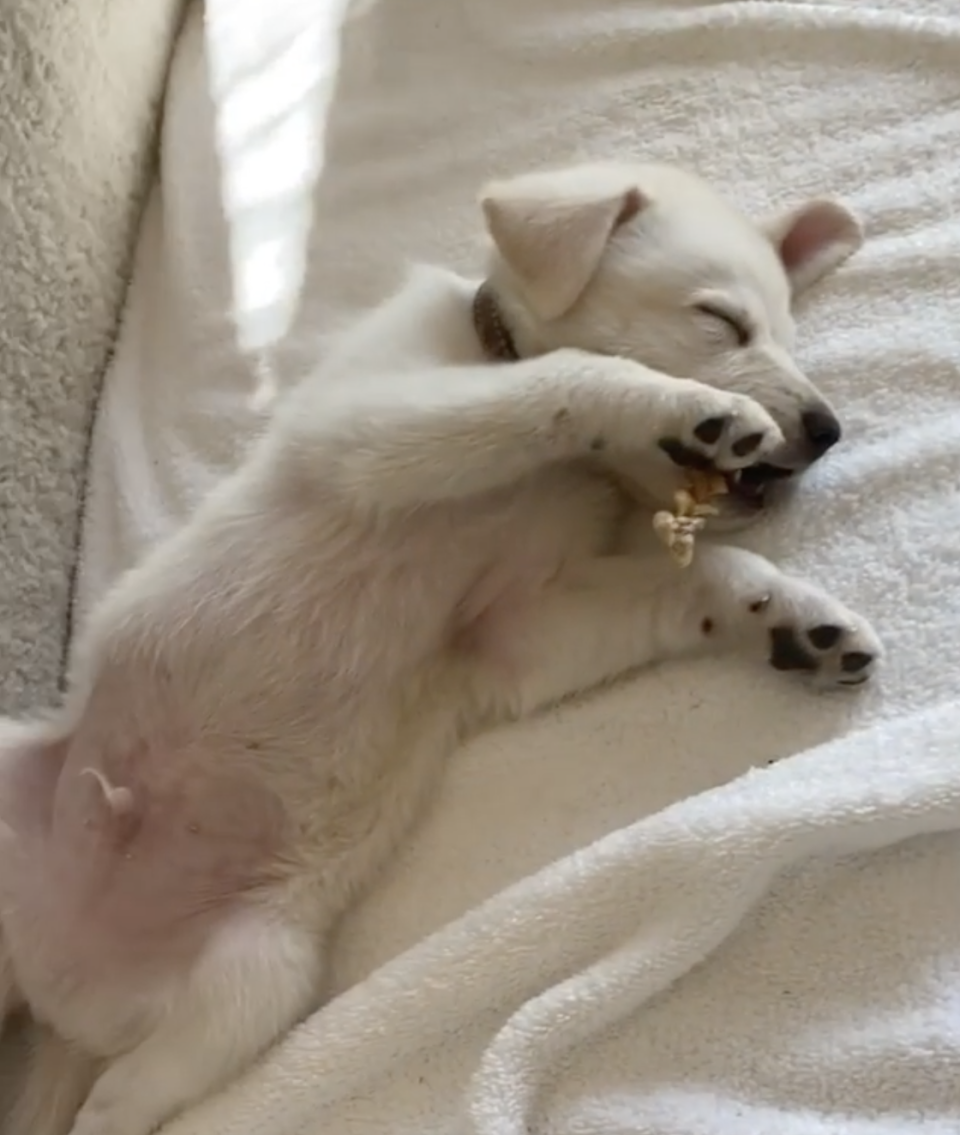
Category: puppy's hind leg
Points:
column 256, row 979
column 57, row 1080
column 31, row 756
column 9, row 994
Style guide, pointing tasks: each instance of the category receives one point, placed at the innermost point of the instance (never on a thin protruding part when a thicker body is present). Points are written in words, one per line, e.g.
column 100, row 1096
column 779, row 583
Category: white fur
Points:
column 424, row 543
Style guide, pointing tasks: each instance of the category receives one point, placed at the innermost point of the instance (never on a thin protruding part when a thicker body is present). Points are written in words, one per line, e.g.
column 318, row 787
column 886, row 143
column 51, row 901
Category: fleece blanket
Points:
column 705, row 902
column 79, row 101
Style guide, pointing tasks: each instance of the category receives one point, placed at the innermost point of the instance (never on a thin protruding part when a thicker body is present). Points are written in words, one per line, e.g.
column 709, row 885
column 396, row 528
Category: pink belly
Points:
column 138, row 888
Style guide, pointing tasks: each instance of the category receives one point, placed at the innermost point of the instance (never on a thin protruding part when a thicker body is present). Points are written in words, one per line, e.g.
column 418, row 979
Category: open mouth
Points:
column 750, row 486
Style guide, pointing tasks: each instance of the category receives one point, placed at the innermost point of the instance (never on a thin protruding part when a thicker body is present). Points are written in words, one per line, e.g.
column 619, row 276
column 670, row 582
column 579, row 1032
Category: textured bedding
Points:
column 705, row 902
column 80, row 93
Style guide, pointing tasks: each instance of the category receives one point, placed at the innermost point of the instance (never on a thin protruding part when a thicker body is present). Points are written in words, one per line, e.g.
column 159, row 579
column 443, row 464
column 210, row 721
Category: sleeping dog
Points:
column 446, row 526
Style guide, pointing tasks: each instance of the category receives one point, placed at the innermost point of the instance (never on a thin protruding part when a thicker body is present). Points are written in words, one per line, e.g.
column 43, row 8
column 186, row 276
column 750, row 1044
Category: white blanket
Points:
column 633, row 914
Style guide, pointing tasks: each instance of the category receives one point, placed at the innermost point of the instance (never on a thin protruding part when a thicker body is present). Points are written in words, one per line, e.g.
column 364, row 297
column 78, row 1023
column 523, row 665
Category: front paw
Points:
column 714, row 429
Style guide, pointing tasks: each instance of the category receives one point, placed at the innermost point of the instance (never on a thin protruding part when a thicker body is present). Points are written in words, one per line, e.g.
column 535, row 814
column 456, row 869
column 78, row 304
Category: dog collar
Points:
column 492, row 331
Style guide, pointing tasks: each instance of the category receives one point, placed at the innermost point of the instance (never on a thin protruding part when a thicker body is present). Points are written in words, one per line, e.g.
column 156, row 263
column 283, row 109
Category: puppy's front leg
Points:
column 611, row 615
column 427, row 436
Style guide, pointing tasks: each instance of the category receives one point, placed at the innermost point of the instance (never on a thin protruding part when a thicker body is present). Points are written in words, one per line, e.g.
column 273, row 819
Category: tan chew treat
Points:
column 691, row 507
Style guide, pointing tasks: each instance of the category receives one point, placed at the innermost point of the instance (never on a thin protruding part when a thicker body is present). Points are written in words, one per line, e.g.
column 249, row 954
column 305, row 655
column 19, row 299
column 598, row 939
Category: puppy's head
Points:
column 649, row 263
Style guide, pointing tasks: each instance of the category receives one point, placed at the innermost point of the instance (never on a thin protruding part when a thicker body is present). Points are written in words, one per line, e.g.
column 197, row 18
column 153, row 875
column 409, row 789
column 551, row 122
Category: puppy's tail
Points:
column 57, row 1080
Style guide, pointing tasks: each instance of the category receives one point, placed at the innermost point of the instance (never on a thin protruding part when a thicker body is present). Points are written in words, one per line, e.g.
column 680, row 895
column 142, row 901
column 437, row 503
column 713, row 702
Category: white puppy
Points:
column 427, row 540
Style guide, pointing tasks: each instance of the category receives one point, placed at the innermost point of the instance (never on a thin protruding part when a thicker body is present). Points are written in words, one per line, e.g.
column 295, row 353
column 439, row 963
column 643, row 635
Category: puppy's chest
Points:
column 559, row 518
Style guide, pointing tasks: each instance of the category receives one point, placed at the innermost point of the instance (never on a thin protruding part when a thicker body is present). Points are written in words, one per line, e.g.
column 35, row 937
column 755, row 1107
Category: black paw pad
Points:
column 825, row 636
column 787, row 653
column 854, row 661
column 683, row 455
column 709, row 431
column 747, row 445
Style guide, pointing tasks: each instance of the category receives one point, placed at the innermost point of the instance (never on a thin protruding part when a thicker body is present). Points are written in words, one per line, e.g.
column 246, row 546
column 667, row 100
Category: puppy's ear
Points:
column 813, row 239
column 551, row 231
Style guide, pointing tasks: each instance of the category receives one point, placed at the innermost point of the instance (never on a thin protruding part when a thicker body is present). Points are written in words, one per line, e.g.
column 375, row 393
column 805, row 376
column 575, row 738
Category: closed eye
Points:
column 735, row 323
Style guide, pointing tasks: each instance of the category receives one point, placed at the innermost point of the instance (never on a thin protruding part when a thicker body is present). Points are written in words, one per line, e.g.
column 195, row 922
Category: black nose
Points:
column 822, row 429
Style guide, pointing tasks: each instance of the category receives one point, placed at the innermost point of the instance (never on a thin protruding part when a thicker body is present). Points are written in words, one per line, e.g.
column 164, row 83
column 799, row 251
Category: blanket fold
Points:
column 587, row 942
